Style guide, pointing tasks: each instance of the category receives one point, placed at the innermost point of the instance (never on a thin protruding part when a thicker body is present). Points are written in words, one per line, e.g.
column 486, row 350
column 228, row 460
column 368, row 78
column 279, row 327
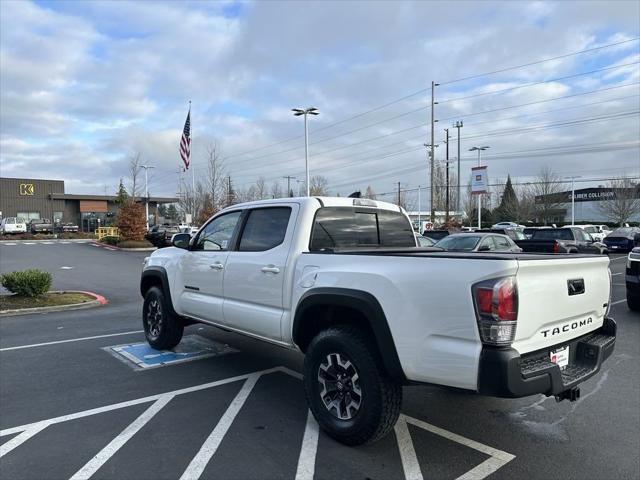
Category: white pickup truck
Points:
column 343, row 281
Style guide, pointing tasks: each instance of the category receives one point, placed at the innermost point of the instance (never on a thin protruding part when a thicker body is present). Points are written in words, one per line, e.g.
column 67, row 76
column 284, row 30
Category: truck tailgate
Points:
column 559, row 300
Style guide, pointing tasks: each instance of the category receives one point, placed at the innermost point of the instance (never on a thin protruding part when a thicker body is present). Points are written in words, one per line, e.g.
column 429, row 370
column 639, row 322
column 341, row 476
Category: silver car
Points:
column 478, row 242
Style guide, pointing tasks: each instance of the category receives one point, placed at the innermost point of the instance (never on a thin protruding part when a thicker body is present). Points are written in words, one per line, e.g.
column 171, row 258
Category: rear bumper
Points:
column 503, row 372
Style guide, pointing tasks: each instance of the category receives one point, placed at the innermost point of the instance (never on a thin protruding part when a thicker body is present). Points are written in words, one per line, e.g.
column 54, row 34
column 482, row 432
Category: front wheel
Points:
column 351, row 397
column 162, row 328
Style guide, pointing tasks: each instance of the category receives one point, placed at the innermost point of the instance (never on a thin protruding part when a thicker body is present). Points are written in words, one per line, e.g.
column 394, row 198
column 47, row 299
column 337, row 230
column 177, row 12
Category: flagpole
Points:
column 193, row 174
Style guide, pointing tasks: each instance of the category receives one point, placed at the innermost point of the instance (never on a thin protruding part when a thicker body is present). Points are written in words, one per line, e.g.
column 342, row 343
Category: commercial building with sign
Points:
column 589, row 203
column 32, row 198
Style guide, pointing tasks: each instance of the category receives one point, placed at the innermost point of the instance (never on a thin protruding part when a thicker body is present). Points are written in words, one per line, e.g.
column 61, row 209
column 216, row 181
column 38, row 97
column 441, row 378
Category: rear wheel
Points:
column 350, row 396
column 633, row 301
column 162, row 328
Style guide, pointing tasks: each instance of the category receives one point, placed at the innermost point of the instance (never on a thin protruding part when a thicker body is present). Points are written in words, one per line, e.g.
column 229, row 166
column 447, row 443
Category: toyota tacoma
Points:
column 343, row 281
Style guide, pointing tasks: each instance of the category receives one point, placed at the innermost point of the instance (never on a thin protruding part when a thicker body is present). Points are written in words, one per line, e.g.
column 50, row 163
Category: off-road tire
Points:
column 169, row 331
column 633, row 302
column 381, row 396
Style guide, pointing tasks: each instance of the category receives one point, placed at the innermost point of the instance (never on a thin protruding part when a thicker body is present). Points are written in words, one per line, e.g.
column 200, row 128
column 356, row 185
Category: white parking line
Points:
column 618, row 301
column 93, row 465
column 211, row 444
column 622, row 257
column 614, row 274
column 307, row 458
column 33, row 345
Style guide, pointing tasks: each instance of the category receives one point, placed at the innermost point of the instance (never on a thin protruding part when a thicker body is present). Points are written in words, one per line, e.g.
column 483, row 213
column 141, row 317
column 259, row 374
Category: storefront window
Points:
column 28, row 216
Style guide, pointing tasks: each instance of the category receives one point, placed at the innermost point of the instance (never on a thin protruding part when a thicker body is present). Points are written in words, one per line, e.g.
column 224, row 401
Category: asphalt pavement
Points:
column 73, row 407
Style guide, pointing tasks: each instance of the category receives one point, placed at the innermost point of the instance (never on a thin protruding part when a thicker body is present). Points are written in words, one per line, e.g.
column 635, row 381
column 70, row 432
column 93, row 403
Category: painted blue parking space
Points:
column 192, row 347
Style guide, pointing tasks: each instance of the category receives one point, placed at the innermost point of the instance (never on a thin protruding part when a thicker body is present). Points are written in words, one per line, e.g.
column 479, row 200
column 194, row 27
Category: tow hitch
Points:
column 572, row 395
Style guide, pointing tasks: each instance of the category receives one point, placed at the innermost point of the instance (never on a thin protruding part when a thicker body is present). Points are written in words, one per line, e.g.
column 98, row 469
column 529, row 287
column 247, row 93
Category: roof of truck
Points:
column 326, row 202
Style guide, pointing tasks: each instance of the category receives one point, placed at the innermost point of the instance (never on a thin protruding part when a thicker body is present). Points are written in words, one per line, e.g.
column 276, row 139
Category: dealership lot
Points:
column 72, row 408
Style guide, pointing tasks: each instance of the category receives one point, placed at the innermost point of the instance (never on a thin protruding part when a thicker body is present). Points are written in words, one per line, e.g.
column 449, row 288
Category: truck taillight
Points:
column 556, row 246
column 496, row 303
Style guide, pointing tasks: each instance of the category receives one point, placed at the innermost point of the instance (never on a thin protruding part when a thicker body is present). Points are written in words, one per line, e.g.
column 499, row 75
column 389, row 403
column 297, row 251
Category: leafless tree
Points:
column 369, row 193
column 215, row 178
column 276, row 190
column 547, row 190
column 260, row 189
column 134, row 171
column 624, row 202
column 318, row 186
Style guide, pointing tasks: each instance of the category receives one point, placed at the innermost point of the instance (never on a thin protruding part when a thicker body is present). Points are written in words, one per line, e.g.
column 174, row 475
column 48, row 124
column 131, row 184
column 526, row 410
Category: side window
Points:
column 265, row 229
column 217, row 234
column 502, row 243
column 487, row 242
column 580, row 236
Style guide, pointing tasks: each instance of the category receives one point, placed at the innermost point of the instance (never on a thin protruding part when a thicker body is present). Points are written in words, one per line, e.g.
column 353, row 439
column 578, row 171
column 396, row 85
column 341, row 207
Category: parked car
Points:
column 562, row 240
column 596, row 231
column 189, row 230
column 424, row 241
column 528, row 231
column 41, row 225
column 435, row 235
column 315, row 275
column 478, row 242
column 502, row 225
column 621, row 239
column 512, row 233
column 11, row 225
column 632, row 275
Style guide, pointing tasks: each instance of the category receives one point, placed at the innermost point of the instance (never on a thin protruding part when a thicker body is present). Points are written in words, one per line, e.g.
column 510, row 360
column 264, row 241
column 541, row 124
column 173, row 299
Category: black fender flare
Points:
column 366, row 304
column 153, row 274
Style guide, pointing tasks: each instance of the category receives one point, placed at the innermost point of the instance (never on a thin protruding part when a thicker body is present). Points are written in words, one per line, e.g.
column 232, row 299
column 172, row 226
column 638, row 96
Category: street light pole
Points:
column 479, row 149
column 306, row 111
column 573, row 199
column 458, row 125
column 146, row 193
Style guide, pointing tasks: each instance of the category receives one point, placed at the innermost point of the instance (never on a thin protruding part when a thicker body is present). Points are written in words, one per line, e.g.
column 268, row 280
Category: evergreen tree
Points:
column 121, row 195
column 508, row 209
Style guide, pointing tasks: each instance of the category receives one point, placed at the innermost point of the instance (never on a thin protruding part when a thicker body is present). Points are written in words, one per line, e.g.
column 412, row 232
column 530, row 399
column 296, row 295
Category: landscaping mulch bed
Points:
column 14, row 302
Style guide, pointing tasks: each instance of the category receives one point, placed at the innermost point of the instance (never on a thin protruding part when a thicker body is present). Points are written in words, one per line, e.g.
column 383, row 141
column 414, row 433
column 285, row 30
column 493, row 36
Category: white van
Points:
column 12, row 225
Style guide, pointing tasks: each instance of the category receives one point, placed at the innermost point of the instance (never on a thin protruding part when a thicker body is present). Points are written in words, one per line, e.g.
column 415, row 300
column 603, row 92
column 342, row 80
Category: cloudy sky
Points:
column 86, row 84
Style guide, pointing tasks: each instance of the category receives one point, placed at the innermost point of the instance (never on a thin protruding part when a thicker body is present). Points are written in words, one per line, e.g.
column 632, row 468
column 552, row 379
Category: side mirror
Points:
column 181, row 240
column 636, row 240
column 484, row 248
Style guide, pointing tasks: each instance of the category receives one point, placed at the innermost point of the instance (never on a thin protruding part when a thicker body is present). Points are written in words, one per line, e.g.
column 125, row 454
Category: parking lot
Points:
column 75, row 406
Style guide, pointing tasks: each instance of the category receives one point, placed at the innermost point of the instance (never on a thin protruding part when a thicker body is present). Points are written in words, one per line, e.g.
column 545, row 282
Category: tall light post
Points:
column 458, row 125
column 479, row 149
column 573, row 198
column 146, row 192
column 306, row 111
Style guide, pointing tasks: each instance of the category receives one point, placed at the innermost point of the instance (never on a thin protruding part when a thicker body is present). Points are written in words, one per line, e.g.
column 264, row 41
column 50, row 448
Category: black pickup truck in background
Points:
column 561, row 240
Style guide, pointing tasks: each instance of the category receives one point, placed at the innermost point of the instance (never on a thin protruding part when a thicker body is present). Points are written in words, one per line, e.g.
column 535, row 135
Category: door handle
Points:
column 217, row 266
column 270, row 269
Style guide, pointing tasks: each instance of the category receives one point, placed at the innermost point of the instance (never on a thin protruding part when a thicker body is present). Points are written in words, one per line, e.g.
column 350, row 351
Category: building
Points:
column 588, row 204
column 31, row 198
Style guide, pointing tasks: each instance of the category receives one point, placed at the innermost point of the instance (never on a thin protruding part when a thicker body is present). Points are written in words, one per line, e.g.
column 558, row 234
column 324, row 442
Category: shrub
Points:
column 134, row 244
column 27, row 283
column 110, row 240
column 131, row 221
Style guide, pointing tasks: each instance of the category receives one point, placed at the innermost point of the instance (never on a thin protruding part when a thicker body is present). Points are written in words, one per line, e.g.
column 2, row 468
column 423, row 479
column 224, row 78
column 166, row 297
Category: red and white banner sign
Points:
column 479, row 182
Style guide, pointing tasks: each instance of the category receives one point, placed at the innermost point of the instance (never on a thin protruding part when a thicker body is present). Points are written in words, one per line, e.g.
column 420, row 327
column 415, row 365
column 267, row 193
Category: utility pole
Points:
column 419, row 210
column 398, row 193
column 289, row 178
column 458, row 125
column 229, row 191
column 573, row 198
column 446, row 202
column 433, row 153
column 146, row 193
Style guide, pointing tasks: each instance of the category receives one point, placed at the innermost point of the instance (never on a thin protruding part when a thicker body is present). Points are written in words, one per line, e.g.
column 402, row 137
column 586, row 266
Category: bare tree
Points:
column 276, row 190
column 547, row 189
column 134, row 170
column 623, row 203
column 261, row 189
column 215, row 179
column 318, row 187
column 369, row 193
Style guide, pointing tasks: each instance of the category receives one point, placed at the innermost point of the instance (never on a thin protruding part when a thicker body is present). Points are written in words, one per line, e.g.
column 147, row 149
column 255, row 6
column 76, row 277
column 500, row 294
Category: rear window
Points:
column 551, row 234
column 348, row 227
column 624, row 232
column 462, row 242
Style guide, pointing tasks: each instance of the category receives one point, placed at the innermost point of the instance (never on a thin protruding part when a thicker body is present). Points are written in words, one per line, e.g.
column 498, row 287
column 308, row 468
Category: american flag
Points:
column 185, row 141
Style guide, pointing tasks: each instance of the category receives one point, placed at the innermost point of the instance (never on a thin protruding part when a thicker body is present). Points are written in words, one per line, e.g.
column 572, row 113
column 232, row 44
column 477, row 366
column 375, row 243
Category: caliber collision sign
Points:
column 479, row 180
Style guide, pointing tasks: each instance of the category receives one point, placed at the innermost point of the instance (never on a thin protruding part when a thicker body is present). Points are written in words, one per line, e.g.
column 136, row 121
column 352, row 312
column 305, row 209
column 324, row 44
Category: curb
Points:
column 98, row 301
column 49, row 240
column 114, row 248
